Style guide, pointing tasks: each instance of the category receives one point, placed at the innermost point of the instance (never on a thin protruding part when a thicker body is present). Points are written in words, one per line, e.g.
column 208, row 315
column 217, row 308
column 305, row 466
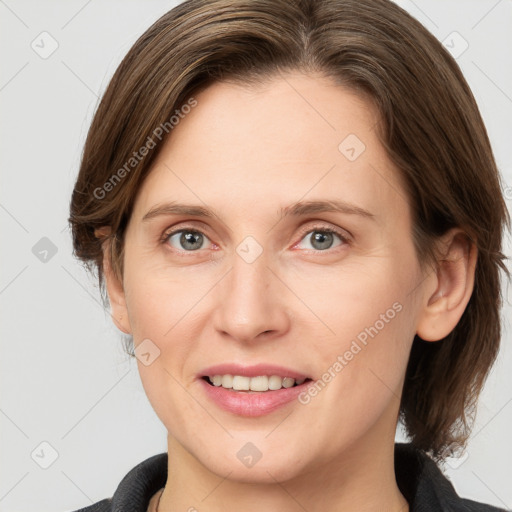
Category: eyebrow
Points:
column 308, row 207
column 298, row 209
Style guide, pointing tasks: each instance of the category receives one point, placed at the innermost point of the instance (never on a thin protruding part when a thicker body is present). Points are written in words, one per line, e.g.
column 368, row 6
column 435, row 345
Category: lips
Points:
column 252, row 371
column 253, row 390
column 251, row 403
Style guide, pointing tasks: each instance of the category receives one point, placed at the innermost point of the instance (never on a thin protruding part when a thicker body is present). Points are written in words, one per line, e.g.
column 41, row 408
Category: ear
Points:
column 451, row 286
column 114, row 285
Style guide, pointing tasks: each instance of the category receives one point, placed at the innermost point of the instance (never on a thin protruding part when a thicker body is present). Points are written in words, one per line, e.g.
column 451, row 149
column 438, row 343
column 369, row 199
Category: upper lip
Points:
column 251, row 371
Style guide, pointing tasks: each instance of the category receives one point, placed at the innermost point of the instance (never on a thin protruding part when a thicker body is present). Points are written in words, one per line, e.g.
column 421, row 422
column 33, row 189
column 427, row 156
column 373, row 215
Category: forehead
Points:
column 293, row 136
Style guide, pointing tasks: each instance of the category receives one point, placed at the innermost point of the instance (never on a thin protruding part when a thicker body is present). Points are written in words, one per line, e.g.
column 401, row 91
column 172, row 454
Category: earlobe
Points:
column 114, row 285
column 453, row 285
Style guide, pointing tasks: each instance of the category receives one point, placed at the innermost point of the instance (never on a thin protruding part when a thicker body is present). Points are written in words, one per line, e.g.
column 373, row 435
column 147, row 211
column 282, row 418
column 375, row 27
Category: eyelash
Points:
column 322, row 229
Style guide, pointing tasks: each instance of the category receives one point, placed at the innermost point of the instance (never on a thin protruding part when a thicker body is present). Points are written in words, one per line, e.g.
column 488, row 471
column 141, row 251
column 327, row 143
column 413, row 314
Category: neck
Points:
column 361, row 478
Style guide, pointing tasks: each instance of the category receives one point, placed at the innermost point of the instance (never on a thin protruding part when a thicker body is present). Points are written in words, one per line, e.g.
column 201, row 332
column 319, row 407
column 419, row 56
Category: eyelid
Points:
column 344, row 235
column 172, row 231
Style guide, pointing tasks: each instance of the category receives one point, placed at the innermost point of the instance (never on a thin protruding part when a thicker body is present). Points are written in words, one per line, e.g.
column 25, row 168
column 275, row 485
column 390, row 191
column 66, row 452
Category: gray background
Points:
column 65, row 379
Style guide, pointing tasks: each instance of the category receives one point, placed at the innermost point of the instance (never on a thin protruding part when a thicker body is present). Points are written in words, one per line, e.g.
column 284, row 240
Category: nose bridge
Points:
column 249, row 302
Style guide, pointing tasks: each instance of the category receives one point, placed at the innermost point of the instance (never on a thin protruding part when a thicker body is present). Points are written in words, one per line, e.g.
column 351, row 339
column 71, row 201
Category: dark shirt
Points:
column 419, row 479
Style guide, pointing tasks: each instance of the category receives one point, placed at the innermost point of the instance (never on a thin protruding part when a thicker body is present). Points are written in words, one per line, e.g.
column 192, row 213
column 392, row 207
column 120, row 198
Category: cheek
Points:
column 166, row 306
column 365, row 326
column 161, row 310
column 345, row 300
column 159, row 299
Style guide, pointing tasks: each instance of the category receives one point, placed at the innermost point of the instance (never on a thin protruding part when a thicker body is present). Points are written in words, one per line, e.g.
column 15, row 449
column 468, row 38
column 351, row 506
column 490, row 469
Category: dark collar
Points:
column 418, row 477
column 426, row 488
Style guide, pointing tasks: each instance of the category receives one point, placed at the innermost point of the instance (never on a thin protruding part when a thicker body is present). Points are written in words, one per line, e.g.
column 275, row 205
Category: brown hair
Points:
column 430, row 127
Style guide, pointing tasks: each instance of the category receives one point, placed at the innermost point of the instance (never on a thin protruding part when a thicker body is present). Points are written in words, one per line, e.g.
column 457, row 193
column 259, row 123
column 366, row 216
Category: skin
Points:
column 245, row 152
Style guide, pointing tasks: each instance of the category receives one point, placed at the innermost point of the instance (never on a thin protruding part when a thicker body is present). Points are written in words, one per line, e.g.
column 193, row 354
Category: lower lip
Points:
column 252, row 404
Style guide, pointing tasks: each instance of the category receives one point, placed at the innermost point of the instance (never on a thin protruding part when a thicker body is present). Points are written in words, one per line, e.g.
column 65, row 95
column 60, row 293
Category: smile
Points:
column 260, row 383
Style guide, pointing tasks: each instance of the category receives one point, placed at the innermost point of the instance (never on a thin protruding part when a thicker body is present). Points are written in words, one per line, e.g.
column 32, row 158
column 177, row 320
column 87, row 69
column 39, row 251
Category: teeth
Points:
column 260, row 383
column 216, row 380
column 241, row 383
column 275, row 382
column 288, row 382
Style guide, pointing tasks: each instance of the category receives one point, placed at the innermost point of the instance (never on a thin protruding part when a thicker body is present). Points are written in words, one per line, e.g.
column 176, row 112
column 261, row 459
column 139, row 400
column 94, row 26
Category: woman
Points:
column 296, row 214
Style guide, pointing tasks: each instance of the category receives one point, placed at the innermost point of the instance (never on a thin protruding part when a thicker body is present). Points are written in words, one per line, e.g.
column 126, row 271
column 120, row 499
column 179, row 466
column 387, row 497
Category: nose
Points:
column 251, row 302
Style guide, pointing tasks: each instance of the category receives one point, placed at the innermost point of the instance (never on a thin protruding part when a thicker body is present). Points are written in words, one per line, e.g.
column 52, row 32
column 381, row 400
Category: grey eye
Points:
column 321, row 239
column 188, row 240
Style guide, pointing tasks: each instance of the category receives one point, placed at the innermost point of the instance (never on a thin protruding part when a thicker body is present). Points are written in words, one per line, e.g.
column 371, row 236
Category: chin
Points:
column 279, row 466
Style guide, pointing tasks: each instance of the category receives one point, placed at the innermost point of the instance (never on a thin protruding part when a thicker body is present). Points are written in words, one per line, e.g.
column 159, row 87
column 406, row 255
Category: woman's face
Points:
column 273, row 276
